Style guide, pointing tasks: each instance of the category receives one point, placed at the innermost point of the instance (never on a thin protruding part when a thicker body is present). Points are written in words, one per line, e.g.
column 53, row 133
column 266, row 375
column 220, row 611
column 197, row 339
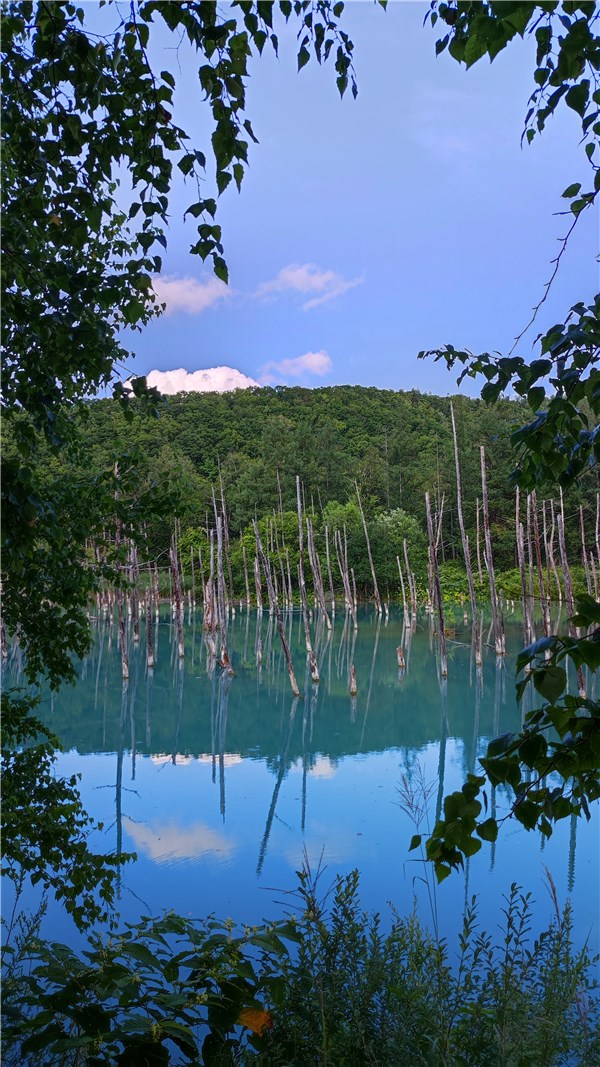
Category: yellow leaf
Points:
column 256, row 1019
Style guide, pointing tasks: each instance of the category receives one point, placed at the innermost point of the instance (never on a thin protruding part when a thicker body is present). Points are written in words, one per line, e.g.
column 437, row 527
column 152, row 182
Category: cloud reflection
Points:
column 167, row 841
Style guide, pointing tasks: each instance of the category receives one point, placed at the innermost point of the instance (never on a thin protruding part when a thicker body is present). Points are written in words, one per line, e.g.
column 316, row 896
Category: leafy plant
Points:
column 356, row 994
column 167, row 990
column 45, row 829
column 550, row 766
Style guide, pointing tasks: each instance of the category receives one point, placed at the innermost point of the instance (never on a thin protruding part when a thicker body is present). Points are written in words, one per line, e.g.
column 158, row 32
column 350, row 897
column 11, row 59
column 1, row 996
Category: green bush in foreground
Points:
column 173, row 991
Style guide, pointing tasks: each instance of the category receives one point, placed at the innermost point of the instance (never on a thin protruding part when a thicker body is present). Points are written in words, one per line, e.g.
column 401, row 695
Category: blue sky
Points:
column 369, row 229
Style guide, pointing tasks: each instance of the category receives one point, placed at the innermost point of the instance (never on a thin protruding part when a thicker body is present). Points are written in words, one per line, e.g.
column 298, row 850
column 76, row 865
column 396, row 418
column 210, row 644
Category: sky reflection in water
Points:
column 221, row 787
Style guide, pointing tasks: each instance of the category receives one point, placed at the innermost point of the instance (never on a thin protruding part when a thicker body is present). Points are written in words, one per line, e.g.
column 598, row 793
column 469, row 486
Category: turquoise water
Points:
column 221, row 786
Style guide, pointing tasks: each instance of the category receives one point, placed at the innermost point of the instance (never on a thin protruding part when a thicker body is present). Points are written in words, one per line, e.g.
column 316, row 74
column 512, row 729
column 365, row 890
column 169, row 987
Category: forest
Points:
column 253, row 444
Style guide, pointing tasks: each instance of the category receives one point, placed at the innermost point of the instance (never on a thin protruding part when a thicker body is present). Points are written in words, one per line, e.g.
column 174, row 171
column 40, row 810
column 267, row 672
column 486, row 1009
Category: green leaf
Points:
column 550, row 682
column 577, row 97
column 415, row 841
column 572, row 190
column 303, row 57
column 488, row 830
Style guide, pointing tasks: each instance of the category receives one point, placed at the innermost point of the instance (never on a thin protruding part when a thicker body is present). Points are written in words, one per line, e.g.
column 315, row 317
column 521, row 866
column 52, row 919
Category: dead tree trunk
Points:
column 520, row 543
column 404, row 603
column 135, row 602
column 227, row 551
column 246, row 580
column 364, row 522
column 201, row 569
column 209, row 622
column 530, row 568
column 583, row 552
column 465, row 543
column 437, row 588
column 273, row 600
column 257, row 586
column 499, row 639
column 225, row 662
column 314, row 669
column 193, row 576
column 479, row 568
column 569, row 597
column 149, row 641
column 120, row 615
column 342, row 561
column 411, row 584
column 544, row 595
column 316, row 571
column 329, row 577
column 177, row 598
column 552, row 556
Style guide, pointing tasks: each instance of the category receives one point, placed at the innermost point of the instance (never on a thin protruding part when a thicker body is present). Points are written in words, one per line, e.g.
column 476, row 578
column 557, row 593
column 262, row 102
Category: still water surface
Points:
column 220, row 786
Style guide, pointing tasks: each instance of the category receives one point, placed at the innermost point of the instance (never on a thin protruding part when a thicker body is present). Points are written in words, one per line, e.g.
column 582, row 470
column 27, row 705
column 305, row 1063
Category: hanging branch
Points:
column 275, row 608
column 437, row 588
column 364, row 522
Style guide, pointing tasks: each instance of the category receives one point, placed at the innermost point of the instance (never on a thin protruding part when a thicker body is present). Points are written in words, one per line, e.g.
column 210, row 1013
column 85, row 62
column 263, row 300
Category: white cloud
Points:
column 168, row 841
column 307, row 278
column 318, row 363
column 210, row 380
column 188, row 294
